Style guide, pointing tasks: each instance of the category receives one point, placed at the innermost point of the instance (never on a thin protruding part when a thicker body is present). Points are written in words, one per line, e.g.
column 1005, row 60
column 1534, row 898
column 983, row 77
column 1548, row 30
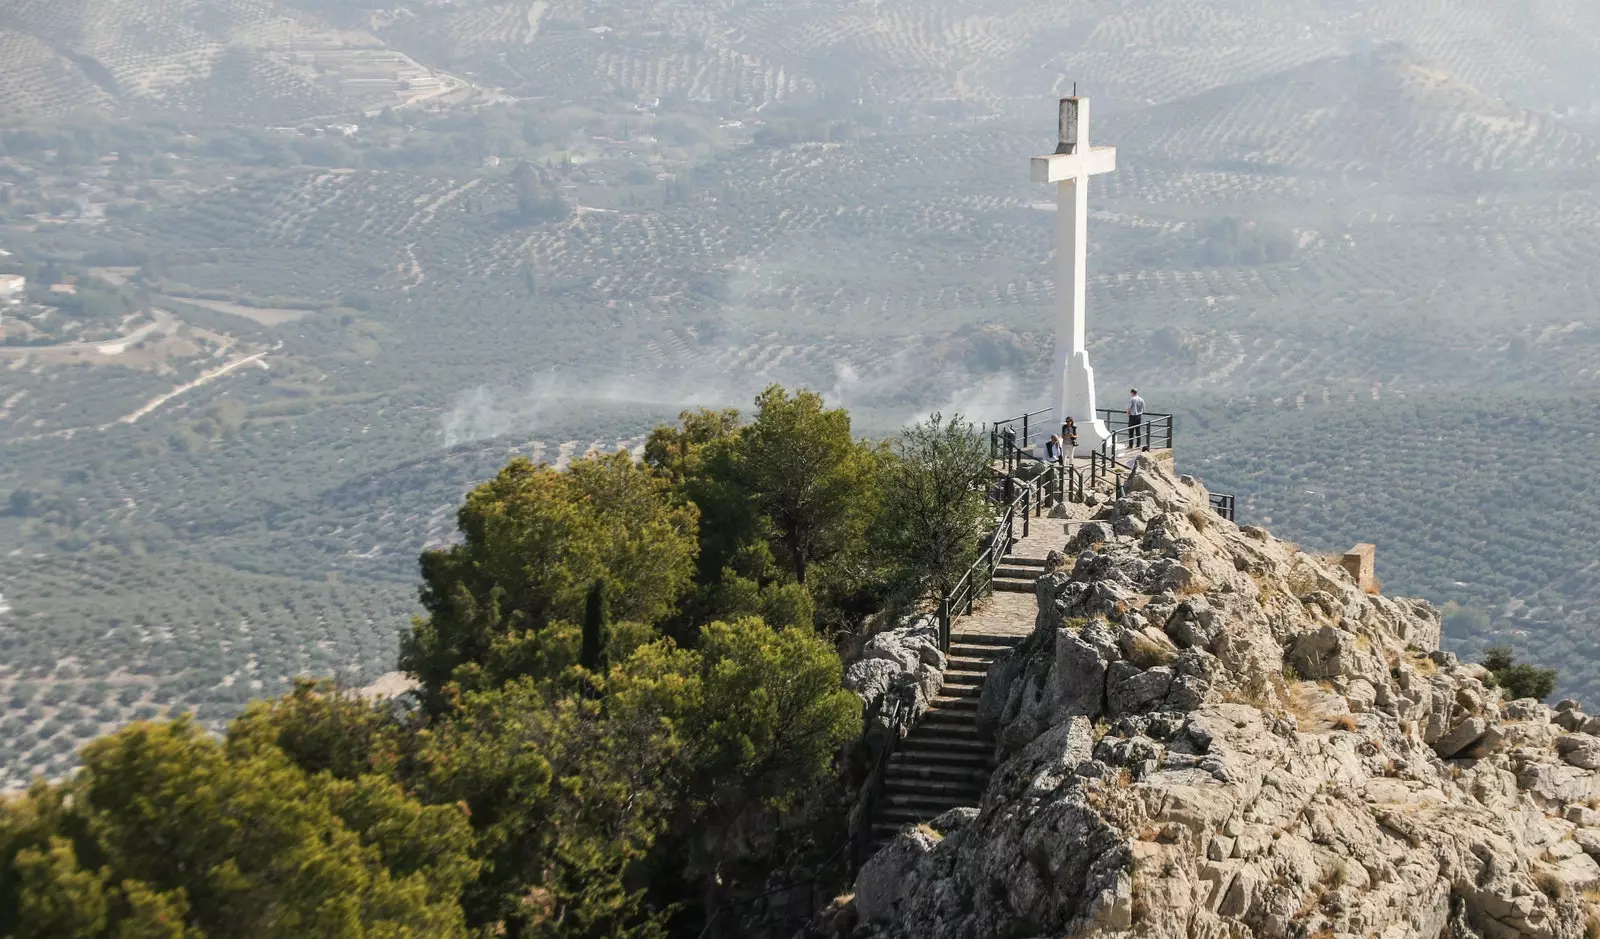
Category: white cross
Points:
column 1070, row 168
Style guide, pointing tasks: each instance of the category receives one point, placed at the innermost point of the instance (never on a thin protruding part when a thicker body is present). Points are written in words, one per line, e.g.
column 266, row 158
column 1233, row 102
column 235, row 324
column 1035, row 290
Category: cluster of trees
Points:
column 1519, row 680
column 624, row 720
column 804, row 523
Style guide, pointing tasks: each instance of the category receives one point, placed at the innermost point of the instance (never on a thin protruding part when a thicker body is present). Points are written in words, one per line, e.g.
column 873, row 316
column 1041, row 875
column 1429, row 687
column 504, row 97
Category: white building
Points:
column 12, row 286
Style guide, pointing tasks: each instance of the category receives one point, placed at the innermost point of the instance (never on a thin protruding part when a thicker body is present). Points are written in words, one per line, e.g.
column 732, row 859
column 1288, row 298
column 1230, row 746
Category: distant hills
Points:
column 1380, row 113
column 285, row 60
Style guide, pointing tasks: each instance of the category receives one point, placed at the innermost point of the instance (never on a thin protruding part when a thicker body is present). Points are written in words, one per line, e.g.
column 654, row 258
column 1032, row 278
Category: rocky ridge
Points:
column 1212, row 734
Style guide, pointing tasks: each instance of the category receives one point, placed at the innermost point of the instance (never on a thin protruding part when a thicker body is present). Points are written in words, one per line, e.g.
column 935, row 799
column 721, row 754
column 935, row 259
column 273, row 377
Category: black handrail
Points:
column 861, row 838
column 1225, row 504
column 1024, row 499
column 1123, row 438
column 1017, row 434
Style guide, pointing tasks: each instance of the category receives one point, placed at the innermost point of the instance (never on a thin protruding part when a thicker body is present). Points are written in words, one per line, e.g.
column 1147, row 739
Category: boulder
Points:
column 1460, row 737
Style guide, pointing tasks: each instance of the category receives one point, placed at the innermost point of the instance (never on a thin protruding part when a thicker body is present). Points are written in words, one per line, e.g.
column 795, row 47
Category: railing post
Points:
column 1024, row 429
column 1027, row 495
column 944, row 623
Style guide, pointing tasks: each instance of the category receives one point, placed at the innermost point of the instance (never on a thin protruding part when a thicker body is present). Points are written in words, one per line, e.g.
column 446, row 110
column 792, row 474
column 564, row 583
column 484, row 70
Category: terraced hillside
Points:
column 256, row 61
column 1340, row 239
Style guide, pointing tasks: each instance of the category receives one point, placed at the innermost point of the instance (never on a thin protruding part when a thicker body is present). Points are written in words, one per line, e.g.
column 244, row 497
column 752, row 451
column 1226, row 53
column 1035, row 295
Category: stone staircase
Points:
column 942, row 764
column 1017, row 574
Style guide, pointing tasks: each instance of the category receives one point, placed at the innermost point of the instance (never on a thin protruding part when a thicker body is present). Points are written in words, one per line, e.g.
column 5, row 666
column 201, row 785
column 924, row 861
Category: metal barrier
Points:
column 1023, row 433
column 1021, row 500
column 1153, row 433
column 872, row 787
column 1224, row 504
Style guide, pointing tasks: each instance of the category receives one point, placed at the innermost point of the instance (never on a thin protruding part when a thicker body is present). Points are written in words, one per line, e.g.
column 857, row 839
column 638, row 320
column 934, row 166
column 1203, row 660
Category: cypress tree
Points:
column 593, row 654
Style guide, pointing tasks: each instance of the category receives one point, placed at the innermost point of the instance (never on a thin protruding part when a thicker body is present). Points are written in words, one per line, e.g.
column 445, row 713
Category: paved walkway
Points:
column 999, row 614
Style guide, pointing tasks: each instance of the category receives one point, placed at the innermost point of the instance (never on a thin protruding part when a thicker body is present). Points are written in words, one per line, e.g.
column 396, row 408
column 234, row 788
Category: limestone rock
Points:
column 1211, row 734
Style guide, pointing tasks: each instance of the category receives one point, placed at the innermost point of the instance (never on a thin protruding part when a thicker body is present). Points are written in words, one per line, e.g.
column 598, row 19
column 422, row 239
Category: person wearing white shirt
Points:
column 1137, row 435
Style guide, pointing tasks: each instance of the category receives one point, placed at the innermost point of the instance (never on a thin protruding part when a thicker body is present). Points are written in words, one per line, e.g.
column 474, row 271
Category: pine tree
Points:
column 593, row 656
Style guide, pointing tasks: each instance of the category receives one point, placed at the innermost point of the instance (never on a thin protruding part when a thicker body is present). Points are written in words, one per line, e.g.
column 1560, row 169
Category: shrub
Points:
column 1518, row 680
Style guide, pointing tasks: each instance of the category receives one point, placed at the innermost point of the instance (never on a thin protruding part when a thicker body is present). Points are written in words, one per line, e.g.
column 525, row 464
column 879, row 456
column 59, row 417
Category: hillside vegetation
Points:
column 282, row 312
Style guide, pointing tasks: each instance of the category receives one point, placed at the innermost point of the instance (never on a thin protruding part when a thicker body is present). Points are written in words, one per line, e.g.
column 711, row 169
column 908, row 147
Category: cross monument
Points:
column 1070, row 168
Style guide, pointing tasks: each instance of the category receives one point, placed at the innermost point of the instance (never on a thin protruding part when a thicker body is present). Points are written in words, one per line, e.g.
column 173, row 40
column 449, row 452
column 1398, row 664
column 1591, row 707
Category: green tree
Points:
column 534, row 541
column 933, row 506
column 812, row 481
column 167, row 832
column 563, row 801
column 700, row 457
column 1518, row 680
column 760, row 715
column 593, row 655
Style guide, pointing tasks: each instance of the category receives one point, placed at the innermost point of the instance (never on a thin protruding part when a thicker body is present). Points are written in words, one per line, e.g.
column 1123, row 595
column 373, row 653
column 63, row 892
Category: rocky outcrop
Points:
column 899, row 671
column 897, row 675
column 1210, row 733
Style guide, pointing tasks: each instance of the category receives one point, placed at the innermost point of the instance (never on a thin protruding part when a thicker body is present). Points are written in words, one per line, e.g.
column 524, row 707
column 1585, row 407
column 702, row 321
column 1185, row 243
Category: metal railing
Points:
column 872, row 787
column 1020, row 500
column 1022, row 431
column 1153, row 433
column 1224, row 504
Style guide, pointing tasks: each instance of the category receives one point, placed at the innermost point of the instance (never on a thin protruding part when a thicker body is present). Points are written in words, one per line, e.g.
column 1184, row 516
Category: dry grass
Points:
column 1553, row 887
column 1147, row 653
column 1376, row 587
column 1345, row 722
column 930, row 831
column 1419, row 661
column 1200, row 519
column 1591, row 917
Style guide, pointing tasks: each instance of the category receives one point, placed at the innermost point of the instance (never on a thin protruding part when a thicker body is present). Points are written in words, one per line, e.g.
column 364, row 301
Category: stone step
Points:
column 969, row 759
column 954, row 788
column 962, row 724
column 964, row 679
column 1011, row 560
column 938, row 772
column 912, row 813
column 1014, row 586
column 938, row 717
column 962, row 704
column 973, row 661
column 964, row 647
column 984, row 639
column 959, row 690
column 1016, row 573
column 942, row 742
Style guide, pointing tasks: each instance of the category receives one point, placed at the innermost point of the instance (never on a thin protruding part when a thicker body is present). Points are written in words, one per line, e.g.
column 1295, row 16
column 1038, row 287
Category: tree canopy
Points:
column 627, row 721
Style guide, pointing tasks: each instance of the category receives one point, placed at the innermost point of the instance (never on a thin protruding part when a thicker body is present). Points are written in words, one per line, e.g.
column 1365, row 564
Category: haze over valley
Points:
column 296, row 274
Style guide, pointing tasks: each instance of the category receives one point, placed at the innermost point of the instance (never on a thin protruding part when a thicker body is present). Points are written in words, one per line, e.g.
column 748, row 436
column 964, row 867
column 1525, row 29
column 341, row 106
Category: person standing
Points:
column 1137, row 437
column 1069, row 440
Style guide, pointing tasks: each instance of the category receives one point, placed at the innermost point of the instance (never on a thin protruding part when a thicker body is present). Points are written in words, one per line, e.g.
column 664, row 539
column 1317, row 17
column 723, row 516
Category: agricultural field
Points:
column 337, row 263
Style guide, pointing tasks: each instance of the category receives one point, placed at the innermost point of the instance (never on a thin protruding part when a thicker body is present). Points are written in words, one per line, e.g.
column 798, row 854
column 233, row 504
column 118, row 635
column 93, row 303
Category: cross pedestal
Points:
column 1070, row 168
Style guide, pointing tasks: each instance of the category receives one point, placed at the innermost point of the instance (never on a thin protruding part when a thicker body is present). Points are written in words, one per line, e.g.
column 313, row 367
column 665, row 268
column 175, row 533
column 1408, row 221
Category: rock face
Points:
column 899, row 672
column 1212, row 734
